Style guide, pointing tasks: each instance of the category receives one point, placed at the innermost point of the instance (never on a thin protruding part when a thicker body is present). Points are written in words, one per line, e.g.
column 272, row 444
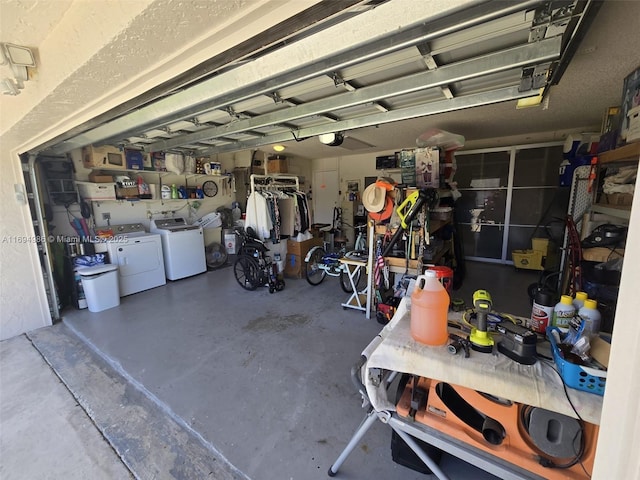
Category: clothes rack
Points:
column 270, row 181
column 267, row 220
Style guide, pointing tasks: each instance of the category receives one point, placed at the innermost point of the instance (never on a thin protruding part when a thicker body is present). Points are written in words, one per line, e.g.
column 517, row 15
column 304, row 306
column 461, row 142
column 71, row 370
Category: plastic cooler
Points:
column 100, row 285
column 577, row 376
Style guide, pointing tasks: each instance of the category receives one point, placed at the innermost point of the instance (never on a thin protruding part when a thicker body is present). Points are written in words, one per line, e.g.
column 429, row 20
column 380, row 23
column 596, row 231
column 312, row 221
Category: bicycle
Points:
column 253, row 267
column 319, row 263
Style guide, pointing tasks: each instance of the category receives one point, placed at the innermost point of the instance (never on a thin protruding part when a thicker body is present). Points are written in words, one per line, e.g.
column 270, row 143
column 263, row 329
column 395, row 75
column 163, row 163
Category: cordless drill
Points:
column 480, row 339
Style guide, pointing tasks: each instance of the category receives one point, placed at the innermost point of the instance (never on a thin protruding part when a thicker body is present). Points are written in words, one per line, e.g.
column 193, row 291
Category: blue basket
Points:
column 576, row 376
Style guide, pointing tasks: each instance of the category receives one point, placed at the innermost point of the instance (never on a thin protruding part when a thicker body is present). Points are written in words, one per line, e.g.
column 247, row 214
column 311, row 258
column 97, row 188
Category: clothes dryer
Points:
column 182, row 247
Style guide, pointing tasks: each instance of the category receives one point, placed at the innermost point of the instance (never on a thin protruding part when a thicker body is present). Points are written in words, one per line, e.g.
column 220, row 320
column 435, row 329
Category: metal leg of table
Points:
column 366, row 424
column 433, row 466
column 358, row 298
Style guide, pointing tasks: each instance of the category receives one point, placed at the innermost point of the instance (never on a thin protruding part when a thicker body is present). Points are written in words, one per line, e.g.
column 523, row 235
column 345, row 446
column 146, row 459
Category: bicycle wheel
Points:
column 346, row 284
column 247, row 272
column 313, row 271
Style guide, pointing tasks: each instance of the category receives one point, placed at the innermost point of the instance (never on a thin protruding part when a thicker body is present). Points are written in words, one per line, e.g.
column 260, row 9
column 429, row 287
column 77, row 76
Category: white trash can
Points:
column 100, row 285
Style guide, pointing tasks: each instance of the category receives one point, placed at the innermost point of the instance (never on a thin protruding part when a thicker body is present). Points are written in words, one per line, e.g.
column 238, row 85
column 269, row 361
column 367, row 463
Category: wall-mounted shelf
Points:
column 161, row 174
column 628, row 152
column 434, row 226
column 618, row 211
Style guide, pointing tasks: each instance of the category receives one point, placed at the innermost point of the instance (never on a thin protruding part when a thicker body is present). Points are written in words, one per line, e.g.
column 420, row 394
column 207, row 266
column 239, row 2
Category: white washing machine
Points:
column 182, row 246
column 139, row 257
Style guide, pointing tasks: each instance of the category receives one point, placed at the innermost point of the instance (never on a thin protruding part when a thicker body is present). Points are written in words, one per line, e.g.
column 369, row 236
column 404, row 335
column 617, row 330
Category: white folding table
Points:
column 358, row 298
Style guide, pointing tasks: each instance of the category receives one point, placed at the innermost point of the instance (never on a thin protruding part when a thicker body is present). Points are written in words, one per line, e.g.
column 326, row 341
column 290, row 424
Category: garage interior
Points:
column 256, row 384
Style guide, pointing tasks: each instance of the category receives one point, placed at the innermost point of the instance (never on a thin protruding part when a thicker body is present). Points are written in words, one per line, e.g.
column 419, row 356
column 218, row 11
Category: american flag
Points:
column 379, row 265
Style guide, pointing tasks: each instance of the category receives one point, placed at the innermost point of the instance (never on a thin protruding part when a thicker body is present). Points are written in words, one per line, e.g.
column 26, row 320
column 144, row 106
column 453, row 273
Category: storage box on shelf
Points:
column 96, row 191
column 104, row 156
column 277, row 165
column 100, row 177
column 615, row 205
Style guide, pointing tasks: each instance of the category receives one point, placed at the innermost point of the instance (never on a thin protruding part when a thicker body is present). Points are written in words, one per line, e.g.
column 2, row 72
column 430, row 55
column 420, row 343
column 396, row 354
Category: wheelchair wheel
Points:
column 312, row 269
column 247, row 272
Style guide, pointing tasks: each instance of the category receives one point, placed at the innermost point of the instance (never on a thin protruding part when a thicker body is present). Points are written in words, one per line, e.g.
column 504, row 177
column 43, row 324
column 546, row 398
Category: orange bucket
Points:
column 445, row 275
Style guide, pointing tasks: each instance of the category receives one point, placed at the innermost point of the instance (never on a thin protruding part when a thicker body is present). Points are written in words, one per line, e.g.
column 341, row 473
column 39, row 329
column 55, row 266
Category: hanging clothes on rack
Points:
column 257, row 215
column 276, row 208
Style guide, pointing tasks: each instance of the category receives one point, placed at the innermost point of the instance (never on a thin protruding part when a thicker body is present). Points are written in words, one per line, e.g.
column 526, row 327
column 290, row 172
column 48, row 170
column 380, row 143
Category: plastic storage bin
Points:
column 577, row 376
column 100, row 285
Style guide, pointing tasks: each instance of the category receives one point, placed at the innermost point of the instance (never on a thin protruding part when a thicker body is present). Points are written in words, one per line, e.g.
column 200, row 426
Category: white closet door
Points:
column 325, row 189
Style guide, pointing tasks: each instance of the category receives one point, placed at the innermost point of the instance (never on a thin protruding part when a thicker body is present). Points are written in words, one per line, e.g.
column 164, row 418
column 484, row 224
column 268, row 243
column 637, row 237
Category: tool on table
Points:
column 481, row 340
column 517, row 343
column 457, row 344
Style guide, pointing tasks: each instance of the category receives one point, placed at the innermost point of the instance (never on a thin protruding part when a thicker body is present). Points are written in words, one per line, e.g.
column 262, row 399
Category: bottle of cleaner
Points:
column 591, row 316
column 174, row 191
column 563, row 312
column 143, row 188
column 542, row 311
column 429, row 309
column 236, row 213
column 578, row 301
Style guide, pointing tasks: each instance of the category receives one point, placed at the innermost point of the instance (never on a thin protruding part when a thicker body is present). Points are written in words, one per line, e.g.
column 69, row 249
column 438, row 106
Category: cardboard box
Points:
column 633, row 124
column 600, row 350
column 158, row 162
column 619, row 199
column 96, row 191
column 99, row 177
column 104, row 156
column 294, row 266
column 135, row 159
column 277, row 165
column 126, row 193
column 301, row 248
column 602, row 254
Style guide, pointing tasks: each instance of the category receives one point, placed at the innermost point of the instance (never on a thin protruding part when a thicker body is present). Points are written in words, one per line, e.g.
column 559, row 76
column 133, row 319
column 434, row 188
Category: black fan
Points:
column 216, row 255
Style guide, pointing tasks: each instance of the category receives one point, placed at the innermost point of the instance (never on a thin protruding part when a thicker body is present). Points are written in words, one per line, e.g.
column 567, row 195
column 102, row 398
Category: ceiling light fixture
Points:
column 279, row 148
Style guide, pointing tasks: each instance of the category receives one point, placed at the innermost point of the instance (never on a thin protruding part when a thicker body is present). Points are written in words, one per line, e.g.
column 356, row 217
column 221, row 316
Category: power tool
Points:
column 517, row 343
column 480, row 339
column 408, row 210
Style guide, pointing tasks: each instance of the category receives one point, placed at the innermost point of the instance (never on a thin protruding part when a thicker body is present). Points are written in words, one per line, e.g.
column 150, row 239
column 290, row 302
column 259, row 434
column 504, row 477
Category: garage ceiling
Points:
column 351, row 73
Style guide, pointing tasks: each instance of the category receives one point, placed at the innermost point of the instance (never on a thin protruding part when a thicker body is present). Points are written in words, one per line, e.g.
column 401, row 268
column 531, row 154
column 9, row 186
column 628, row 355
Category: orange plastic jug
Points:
column 429, row 308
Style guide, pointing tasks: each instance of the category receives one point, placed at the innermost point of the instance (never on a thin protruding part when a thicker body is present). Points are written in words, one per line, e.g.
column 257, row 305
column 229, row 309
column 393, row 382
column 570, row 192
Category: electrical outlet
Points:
column 106, row 216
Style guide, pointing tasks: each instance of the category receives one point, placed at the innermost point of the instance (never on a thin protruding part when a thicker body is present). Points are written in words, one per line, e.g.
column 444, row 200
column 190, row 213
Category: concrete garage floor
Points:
column 202, row 379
